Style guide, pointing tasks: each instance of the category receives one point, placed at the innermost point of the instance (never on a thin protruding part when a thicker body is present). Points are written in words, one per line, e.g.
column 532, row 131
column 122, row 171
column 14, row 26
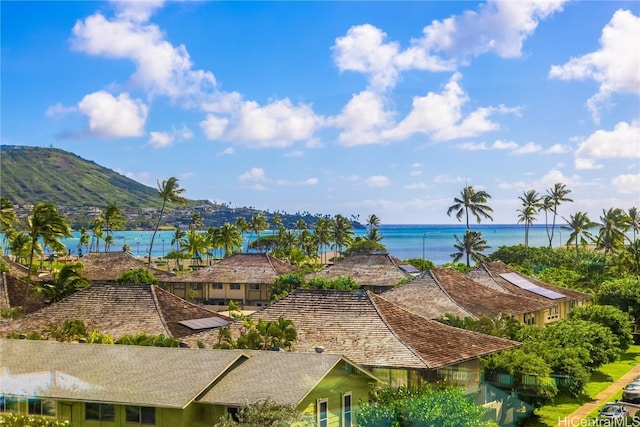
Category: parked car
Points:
column 631, row 393
column 613, row 411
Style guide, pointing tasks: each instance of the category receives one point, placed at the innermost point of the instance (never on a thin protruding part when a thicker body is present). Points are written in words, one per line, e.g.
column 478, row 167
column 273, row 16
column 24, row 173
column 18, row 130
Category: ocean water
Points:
column 432, row 242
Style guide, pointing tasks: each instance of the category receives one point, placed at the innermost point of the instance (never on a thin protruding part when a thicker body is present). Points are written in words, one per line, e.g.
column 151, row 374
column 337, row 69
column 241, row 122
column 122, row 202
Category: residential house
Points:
column 444, row 290
column 395, row 345
column 499, row 276
column 122, row 309
column 374, row 272
column 117, row 385
column 243, row 278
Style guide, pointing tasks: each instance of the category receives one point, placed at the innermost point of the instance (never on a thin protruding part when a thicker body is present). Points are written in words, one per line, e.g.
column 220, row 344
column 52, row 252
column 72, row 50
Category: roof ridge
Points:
column 435, row 279
column 156, row 302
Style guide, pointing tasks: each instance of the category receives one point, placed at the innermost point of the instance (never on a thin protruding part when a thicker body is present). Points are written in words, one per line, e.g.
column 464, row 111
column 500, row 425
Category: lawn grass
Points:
column 548, row 415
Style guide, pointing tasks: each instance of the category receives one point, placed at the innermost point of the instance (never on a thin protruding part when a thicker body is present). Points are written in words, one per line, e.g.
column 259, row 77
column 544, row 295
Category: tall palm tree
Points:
column 113, row 219
column 65, row 282
column 633, row 221
column 471, row 201
column 472, row 246
column 98, row 224
column 276, row 223
column 196, row 222
column 46, row 222
column 170, row 192
column 530, row 207
column 257, row 224
column 580, row 226
column 243, row 227
column 322, row 235
column 230, row 238
column 20, row 246
column 555, row 196
column 373, row 223
column 178, row 238
column 8, row 217
column 195, row 246
column 301, row 226
column 342, row 230
column 613, row 226
column 84, row 240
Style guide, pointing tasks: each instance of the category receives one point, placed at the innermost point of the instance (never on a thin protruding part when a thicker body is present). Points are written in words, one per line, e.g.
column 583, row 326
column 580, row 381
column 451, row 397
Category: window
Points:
column 254, row 287
column 178, row 287
column 99, row 411
column 323, row 413
column 196, row 286
column 140, row 414
column 346, row 410
column 8, row 403
column 554, row 312
column 42, row 407
column 233, row 411
column 234, row 286
column 529, row 319
column 216, row 286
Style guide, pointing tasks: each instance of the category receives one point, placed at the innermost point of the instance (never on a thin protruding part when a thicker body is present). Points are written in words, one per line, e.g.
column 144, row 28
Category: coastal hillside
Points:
column 29, row 175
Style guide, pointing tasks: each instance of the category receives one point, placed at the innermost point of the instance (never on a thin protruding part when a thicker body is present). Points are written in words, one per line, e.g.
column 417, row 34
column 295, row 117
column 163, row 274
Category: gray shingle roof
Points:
column 146, row 376
column 488, row 273
column 240, row 268
column 284, row 377
column 366, row 270
column 371, row 331
column 117, row 310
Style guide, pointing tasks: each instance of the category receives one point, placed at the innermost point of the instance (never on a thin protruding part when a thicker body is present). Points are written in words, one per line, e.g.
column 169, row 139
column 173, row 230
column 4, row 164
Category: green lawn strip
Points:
column 548, row 415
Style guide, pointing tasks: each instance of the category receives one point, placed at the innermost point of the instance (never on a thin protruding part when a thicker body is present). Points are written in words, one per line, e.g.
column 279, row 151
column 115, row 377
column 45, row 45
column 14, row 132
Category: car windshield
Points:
column 611, row 409
column 633, row 386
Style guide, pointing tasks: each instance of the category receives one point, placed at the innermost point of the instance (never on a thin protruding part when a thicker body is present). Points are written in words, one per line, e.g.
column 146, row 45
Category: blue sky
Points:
column 336, row 107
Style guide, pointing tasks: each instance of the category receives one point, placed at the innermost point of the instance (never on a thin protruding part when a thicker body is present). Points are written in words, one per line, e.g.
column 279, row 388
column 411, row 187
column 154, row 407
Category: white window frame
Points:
column 323, row 422
column 347, row 412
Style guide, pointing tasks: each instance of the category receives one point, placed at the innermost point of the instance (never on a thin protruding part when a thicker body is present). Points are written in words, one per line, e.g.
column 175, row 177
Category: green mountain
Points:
column 29, row 175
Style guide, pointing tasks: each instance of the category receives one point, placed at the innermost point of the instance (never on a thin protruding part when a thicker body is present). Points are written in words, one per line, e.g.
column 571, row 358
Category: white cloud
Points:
column 614, row 66
column 226, row 152
column 377, row 181
column 59, row 109
column 415, row 172
column 161, row 68
column 504, row 145
column 417, row 165
column 113, row 117
column 214, row 126
column 363, row 118
column 416, row 186
column 528, row 148
column 446, row 179
column 557, row 149
column 627, row 184
column 622, row 142
column 294, row 153
column 166, row 139
column 472, row 146
column 586, row 164
column 253, row 175
column 308, row 181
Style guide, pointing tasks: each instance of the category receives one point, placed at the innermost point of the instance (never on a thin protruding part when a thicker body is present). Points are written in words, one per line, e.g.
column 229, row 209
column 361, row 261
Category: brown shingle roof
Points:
column 372, row 331
column 15, row 291
column 488, row 273
column 240, row 268
column 103, row 266
column 117, row 310
column 367, row 270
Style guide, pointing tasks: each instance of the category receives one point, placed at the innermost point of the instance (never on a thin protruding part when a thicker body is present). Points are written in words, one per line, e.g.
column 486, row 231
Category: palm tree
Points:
column 322, row 234
column 613, row 225
column 300, row 226
column 65, row 282
column 472, row 245
column 20, row 246
column 373, row 222
column 230, row 238
column 276, row 223
column 98, row 223
column 633, row 221
column 170, row 192
column 555, row 196
column 196, row 222
column 342, row 230
column 257, row 224
column 530, row 207
column 243, row 226
column 472, row 202
column 195, row 246
column 84, row 240
column 113, row 220
column 178, row 238
column 47, row 223
column 8, row 218
column 579, row 224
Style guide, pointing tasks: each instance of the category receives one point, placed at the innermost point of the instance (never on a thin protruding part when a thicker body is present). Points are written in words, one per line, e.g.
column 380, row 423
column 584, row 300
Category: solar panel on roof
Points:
column 523, row 283
column 409, row 268
column 204, row 323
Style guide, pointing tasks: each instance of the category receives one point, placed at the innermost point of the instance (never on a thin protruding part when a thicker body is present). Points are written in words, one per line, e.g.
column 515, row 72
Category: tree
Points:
column 170, row 192
column 365, row 246
column 472, row 202
column 530, row 208
column 555, row 196
column 84, row 240
column 196, row 222
column 257, row 224
column 322, row 235
column 8, row 218
column 137, row 276
column 195, row 246
column 230, row 239
column 47, row 223
column 613, row 225
column 178, row 238
column 472, row 246
column 113, row 220
column 243, row 227
column 623, row 294
column 20, row 246
column 342, row 231
column 65, row 282
column 632, row 221
column 259, row 334
column 580, row 225
column 263, row 413
column 619, row 322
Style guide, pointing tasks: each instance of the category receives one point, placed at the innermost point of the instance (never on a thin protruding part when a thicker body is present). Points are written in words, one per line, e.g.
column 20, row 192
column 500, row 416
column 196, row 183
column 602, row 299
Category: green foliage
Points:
column 365, row 246
column 65, row 283
column 68, row 330
column 144, row 339
column 137, row 276
column 11, row 313
column 504, row 325
column 619, row 322
column 421, row 264
column 286, row 283
column 623, row 294
column 264, row 413
column 424, row 405
column 259, row 334
column 15, row 420
column 97, row 337
column 340, row 283
column 28, row 336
